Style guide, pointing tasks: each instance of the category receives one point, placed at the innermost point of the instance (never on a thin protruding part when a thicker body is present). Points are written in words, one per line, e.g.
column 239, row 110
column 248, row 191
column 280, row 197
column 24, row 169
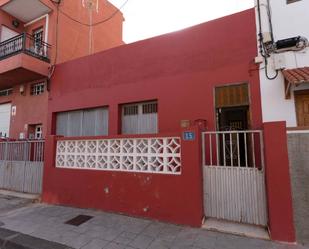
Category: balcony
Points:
column 25, row 10
column 23, row 59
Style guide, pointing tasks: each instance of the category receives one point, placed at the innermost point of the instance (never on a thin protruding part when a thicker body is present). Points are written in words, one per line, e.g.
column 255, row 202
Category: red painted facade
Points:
column 180, row 71
column 172, row 198
column 278, row 182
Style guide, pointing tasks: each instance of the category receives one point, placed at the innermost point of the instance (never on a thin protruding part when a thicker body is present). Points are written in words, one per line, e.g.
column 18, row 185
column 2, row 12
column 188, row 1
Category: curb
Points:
column 14, row 240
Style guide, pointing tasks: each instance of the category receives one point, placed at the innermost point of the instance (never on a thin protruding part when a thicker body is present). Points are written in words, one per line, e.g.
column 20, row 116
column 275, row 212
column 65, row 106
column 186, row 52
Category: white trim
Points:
column 46, row 28
column 46, row 25
column 35, row 20
column 298, row 132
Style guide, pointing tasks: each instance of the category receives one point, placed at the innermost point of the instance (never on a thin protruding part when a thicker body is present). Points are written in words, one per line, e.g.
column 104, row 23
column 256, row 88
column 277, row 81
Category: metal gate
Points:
column 234, row 182
column 21, row 165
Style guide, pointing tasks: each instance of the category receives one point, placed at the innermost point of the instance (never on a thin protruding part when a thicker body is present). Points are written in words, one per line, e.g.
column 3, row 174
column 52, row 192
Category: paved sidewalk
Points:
column 9, row 203
column 113, row 231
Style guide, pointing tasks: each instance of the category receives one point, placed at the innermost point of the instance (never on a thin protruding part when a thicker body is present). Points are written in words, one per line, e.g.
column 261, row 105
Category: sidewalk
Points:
column 113, row 231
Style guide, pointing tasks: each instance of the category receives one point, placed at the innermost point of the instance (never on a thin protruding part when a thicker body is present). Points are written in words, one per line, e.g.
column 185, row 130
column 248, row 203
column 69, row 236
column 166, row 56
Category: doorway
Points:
column 233, row 165
column 233, row 146
column 302, row 107
column 233, row 118
column 233, row 114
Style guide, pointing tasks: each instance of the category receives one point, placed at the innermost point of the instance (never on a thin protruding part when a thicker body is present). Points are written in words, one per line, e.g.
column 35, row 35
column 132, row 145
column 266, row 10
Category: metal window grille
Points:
column 150, row 108
column 130, row 110
column 140, row 118
column 38, row 88
column 6, row 92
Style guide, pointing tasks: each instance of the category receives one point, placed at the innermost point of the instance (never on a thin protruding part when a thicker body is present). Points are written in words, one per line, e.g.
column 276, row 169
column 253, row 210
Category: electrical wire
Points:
column 52, row 67
column 97, row 23
column 270, row 21
column 266, row 71
column 263, row 51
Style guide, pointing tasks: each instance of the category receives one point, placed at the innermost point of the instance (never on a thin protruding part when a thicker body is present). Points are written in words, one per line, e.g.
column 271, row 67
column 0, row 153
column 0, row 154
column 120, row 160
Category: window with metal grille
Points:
column 6, row 92
column 130, row 110
column 37, row 89
column 88, row 122
column 140, row 118
column 150, row 108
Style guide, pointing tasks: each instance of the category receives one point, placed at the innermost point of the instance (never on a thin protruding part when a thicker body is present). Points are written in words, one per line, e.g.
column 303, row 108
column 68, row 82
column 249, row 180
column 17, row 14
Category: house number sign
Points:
column 188, row 135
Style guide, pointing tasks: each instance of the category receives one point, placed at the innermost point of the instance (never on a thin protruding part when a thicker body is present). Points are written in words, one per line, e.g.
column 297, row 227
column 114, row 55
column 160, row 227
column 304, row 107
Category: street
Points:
column 110, row 231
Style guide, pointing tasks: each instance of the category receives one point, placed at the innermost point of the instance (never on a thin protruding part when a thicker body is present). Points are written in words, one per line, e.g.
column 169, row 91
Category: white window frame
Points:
column 37, row 88
column 38, row 132
column 6, row 92
column 136, row 118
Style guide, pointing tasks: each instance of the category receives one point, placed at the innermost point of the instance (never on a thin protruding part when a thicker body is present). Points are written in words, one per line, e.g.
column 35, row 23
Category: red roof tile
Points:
column 297, row 75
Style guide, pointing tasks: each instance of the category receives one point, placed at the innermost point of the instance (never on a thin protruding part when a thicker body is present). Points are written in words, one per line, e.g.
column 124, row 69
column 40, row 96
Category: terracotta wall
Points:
column 30, row 110
column 73, row 37
column 6, row 20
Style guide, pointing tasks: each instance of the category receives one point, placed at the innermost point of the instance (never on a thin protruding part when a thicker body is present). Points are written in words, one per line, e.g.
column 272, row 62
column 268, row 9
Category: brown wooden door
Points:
column 302, row 109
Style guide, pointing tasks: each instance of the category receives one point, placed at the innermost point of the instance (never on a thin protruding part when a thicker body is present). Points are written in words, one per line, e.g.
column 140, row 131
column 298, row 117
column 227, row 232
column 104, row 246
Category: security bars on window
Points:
column 151, row 155
column 37, row 89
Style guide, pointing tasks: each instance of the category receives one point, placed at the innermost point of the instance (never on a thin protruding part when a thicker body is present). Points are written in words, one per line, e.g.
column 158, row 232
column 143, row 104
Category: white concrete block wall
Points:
column 289, row 20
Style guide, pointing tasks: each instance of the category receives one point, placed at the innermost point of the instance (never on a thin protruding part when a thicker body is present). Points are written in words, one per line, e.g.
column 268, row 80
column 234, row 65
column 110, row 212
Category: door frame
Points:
column 249, row 103
column 296, row 94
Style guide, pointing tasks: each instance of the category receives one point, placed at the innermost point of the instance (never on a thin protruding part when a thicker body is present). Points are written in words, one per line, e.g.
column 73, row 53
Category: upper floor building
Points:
column 282, row 36
column 35, row 35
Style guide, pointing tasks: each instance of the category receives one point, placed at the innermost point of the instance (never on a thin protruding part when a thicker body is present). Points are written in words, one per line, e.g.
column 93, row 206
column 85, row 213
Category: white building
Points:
column 284, row 98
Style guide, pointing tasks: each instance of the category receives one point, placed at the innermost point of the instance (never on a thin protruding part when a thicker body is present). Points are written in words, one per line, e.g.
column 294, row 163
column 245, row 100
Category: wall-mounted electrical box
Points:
column 279, row 61
column 267, row 37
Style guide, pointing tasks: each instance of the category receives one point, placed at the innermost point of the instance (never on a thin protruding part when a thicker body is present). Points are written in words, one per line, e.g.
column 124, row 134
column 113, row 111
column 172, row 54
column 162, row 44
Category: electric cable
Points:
column 266, row 71
column 270, row 21
column 53, row 65
column 97, row 23
column 263, row 51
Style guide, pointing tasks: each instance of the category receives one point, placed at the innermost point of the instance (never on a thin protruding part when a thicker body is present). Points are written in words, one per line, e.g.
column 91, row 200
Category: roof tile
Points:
column 297, row 75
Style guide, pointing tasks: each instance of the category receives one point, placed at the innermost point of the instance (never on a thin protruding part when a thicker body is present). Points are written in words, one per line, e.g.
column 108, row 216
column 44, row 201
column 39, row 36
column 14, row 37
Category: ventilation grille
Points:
column 130, row 110
column 150, row 108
